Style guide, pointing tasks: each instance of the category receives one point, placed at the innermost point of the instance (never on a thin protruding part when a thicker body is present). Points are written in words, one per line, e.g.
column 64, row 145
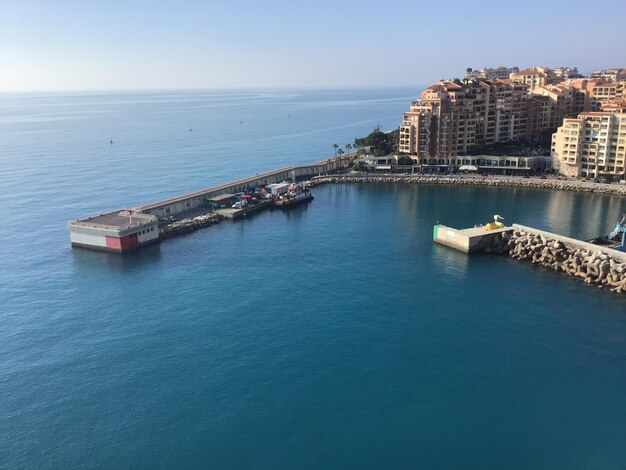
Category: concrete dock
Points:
column 231, row 213
column 468, row 240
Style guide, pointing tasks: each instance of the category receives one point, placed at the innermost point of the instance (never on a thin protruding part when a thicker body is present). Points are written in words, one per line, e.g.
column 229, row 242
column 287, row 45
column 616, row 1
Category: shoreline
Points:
column 617, row 189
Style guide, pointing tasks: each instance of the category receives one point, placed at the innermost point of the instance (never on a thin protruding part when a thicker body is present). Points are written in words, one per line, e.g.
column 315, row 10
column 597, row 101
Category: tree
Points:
column 335, row 146
column 348, row 147
column 405, row 160
column 468, row 70
column 380, row 143
column 340, row 153
column 360, row 166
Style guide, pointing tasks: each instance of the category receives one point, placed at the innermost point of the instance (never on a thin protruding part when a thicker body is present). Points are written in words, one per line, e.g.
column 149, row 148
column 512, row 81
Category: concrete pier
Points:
column 178, row 204
column 127, row 229
column 594, row 264
column 469, row 240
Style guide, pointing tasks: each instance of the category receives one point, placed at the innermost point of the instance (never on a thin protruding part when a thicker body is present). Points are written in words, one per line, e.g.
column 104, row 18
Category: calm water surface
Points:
column 334, row 335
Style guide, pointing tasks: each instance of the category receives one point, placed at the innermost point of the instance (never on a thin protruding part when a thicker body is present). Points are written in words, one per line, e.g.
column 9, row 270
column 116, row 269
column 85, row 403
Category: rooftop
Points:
column 118, row 220
column 529, row 72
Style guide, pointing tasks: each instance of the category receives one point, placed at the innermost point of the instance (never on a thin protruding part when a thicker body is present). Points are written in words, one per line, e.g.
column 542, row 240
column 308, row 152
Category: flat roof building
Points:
column 118, row 232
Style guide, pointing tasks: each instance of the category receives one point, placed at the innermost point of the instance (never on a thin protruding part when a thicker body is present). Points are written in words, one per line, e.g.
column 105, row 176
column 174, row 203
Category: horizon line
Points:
column 196, row 89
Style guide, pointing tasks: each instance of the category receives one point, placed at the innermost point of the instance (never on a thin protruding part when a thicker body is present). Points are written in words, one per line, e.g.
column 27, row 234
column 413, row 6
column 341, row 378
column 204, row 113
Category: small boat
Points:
column 296, row 194
column 616, row 239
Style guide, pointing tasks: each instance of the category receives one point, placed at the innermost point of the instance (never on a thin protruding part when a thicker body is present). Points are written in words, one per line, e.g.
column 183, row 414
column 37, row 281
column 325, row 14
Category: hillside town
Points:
column 509, row 121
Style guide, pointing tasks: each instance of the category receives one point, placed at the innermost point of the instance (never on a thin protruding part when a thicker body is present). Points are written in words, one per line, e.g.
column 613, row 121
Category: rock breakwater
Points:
column 185, row 226
column 597, row 268
column 534, row 183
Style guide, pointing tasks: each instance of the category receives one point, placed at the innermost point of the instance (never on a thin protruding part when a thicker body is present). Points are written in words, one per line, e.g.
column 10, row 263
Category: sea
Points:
column 333, row 335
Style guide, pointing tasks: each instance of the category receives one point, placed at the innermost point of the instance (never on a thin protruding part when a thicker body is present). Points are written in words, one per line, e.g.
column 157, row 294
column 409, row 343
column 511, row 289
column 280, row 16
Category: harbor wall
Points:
column 177, row 204
column 572, row 243
column 596, row 265
column 503, row 181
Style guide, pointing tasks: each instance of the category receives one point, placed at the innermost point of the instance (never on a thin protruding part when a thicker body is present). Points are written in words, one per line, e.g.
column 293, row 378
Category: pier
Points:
column 230, row 213
column 594, row 264
column 469, row 240
column 128, row 229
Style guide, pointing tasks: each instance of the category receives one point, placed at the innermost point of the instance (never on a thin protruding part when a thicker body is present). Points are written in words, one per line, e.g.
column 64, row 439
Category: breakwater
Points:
column 189, row 225
column 128, row 229
column 533, row 183
column 180, row 204
column 595, row 265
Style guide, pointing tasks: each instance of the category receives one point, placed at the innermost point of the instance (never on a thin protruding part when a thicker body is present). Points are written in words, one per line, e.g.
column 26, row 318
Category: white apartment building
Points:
column 592, row 145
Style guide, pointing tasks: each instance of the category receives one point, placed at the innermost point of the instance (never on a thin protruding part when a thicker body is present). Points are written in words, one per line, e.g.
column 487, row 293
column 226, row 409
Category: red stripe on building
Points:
column 123, row 243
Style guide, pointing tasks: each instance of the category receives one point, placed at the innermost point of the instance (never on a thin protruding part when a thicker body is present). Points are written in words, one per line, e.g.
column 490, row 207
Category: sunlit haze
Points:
column 90, row 45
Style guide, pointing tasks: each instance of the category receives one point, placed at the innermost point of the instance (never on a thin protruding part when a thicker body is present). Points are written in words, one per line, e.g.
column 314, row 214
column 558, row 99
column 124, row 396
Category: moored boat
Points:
column 296, row 194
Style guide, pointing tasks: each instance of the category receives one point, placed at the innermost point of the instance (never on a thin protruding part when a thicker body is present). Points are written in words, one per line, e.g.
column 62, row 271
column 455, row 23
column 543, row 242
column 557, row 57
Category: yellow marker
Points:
column 496, row 224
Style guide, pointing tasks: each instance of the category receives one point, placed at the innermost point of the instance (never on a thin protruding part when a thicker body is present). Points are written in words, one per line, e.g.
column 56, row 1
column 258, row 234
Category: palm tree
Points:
column 335, row 146
column 348, row 147
column 340, row 153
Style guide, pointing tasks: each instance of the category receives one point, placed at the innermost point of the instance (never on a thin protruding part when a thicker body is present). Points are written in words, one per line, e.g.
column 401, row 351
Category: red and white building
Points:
column 117, row 232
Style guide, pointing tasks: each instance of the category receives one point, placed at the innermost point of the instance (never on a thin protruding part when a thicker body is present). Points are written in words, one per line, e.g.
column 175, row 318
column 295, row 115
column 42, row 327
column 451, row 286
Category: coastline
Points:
column 617, row 189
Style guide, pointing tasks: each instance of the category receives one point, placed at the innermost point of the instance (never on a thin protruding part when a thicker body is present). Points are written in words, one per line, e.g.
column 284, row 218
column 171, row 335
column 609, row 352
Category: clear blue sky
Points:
column 134, row 44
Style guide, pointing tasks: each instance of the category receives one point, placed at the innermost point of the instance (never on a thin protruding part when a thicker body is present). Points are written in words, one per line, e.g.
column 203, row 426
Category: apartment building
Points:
column 565, row 73
column 557, row 102
column 534, row 77
column 615, row 106
column 592, row 145
column 583, row 90
column 492, row 73
column 614, row 74
column 453, row 119
column 592, row 94
column 605, row 92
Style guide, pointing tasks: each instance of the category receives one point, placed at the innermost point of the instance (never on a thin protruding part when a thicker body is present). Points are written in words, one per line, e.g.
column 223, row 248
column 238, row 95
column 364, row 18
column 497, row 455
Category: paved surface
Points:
column 115, row 220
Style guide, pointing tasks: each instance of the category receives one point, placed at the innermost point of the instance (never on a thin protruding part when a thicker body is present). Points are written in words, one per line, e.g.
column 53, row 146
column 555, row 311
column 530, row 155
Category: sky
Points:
column 58, row 45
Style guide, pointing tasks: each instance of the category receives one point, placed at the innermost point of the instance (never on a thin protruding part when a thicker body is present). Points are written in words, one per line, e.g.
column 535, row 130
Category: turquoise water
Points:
column 333, row 335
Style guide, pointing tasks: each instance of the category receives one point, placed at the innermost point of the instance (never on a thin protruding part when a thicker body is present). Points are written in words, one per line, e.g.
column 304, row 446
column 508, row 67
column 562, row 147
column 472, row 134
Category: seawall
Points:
column 534, row 183
column 175, row 205
column 595, row 265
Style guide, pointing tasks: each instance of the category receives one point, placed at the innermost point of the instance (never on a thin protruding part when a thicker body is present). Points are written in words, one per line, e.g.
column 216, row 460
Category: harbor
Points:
column 225, row 242
column 128, row 229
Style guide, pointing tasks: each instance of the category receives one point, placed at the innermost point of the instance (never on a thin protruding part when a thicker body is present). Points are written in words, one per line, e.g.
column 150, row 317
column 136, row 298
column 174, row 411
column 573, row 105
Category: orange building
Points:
column 452, row 119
